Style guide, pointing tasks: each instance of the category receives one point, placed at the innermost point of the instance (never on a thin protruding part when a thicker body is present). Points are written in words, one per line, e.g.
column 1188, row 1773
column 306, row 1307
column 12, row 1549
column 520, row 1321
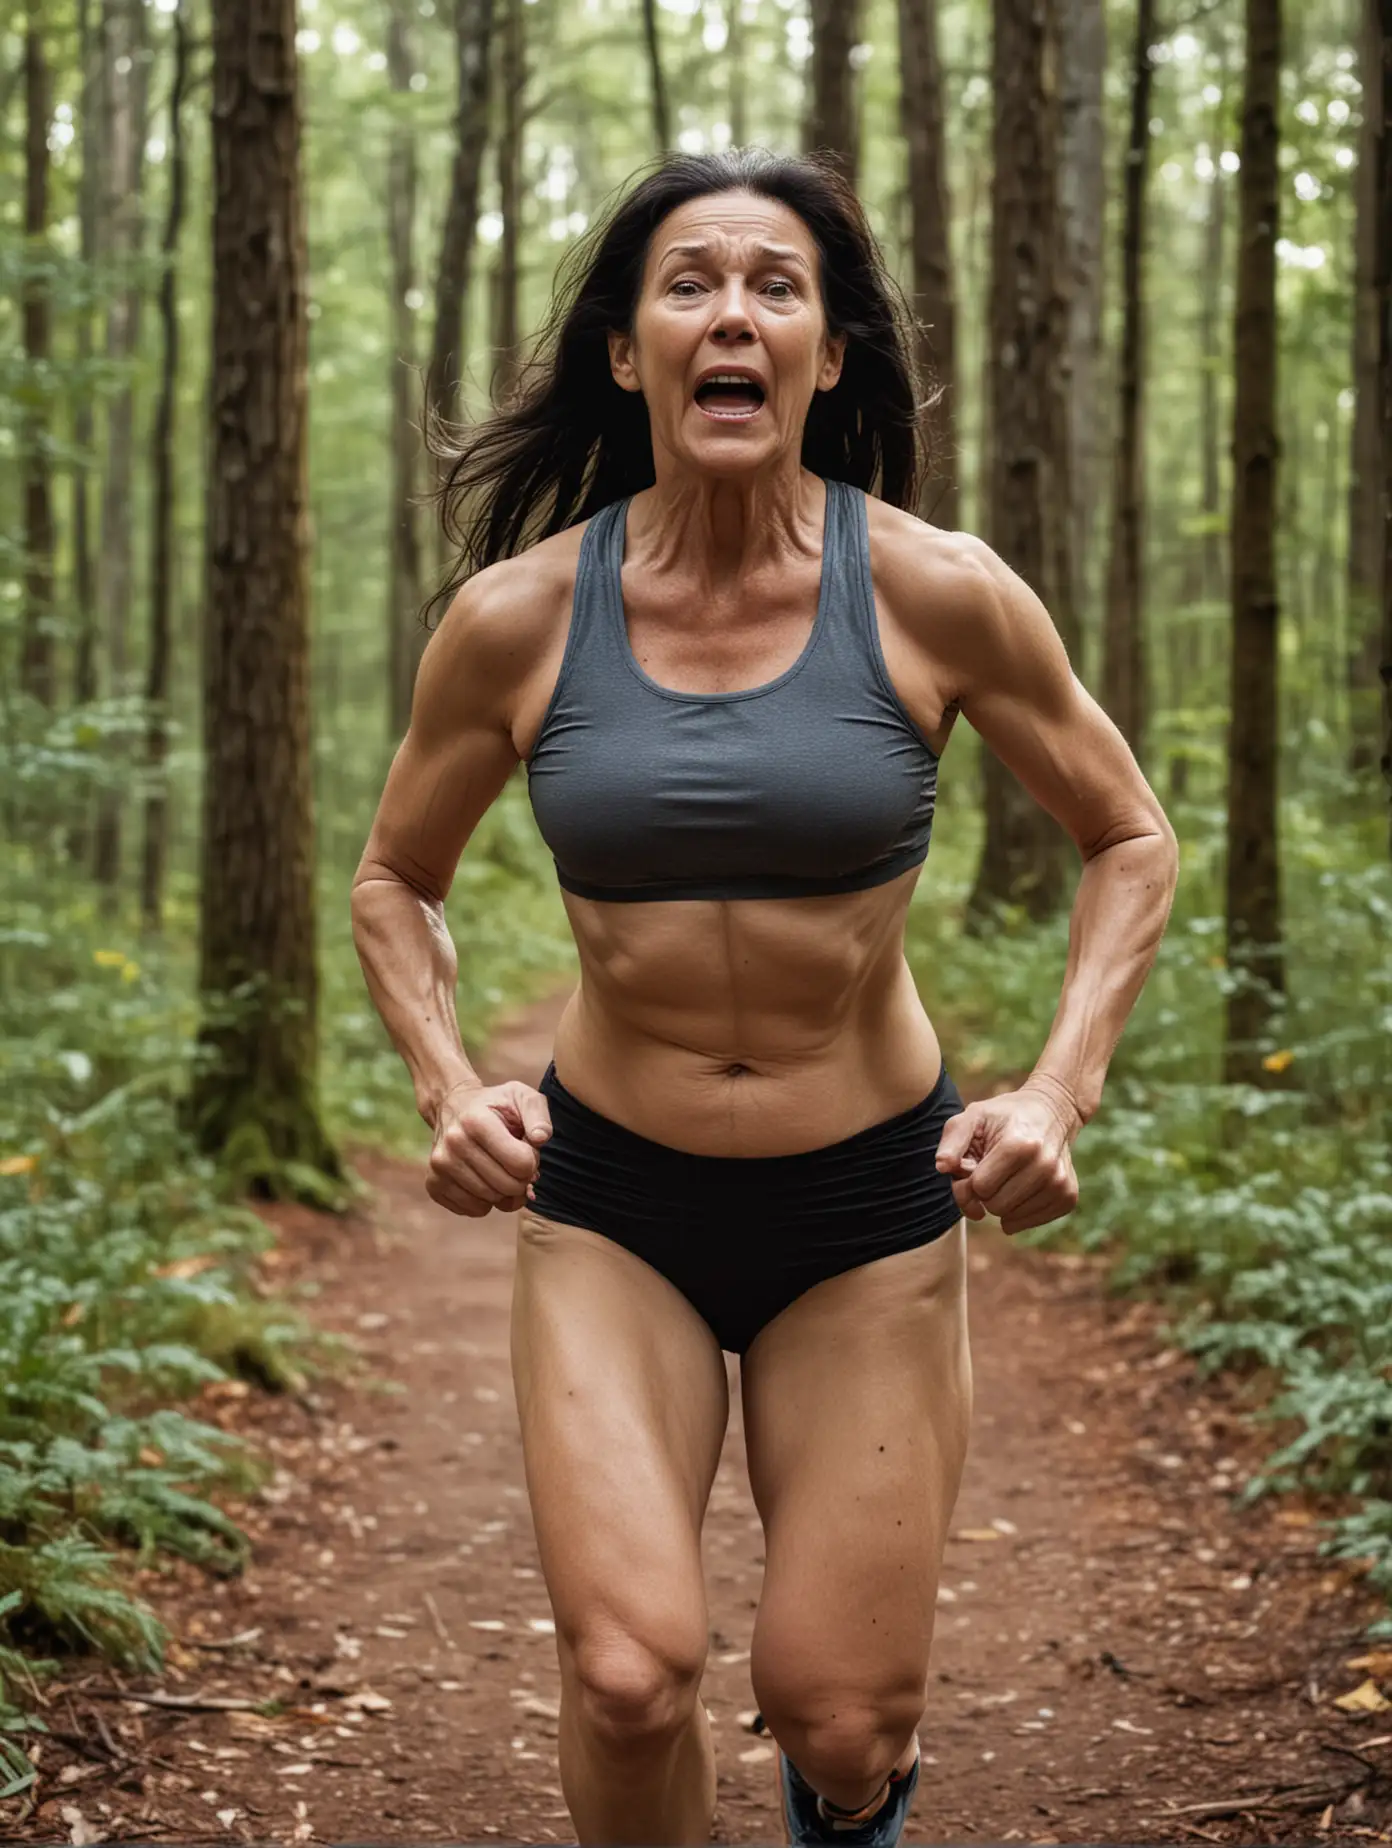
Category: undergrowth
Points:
column 1264, row 1217
column 128, row 1272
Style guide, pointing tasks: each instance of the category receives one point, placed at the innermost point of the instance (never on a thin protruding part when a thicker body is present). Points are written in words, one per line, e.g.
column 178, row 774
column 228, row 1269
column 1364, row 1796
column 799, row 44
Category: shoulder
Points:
column 497, row 627
column 956, row 596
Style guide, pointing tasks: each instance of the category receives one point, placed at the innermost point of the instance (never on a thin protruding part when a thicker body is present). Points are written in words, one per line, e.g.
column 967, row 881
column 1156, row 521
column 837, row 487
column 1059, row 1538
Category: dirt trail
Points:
column 1122, row 1655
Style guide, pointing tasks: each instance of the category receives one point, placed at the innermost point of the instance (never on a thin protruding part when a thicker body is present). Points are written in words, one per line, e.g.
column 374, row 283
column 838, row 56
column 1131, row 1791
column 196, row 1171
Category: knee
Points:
column 636, row 1687
column 836, row 1738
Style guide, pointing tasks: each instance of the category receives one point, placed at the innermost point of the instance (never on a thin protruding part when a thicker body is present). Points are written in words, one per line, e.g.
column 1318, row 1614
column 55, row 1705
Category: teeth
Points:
column 729, row 378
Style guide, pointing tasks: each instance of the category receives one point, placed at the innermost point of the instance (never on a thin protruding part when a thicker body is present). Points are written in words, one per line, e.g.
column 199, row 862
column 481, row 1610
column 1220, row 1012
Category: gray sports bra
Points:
column 816, row 782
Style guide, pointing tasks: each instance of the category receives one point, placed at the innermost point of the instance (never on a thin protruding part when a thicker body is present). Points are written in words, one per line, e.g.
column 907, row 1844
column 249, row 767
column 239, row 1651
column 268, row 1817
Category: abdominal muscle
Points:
column 746, row 1026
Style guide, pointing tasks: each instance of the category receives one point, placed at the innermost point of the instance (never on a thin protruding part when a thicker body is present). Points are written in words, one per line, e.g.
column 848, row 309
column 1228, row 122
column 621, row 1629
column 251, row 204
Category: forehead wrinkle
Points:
column 776, row 253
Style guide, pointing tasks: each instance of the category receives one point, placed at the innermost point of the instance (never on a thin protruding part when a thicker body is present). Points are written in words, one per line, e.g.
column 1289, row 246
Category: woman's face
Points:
column 729, row 340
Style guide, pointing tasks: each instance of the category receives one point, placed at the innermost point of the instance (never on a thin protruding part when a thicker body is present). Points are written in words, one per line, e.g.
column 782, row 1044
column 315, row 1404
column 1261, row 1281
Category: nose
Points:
column 732, row 321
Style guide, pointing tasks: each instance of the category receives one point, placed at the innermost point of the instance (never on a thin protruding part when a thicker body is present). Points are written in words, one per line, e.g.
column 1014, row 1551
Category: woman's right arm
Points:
column 451, row 766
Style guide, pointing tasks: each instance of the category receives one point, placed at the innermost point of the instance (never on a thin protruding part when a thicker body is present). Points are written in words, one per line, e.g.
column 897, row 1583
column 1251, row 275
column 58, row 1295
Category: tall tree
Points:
column 921, row 120
column 1254, row 949
column 657, row 81
column 1365, row 437
column 154, row 847
column 125, row 82
column 1082, row 208
column 1212, row 573
column 473, row 36
column 36, row 663
column 1124, row 665
column 255, row 1097
column 404, row 632
column 832, row 120
column 506, row 316
column 734, row 62
column 1023, row 856
column 1384, row 297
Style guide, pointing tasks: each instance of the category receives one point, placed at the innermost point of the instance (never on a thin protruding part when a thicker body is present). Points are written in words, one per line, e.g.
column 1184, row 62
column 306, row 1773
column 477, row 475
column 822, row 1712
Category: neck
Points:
column 720, row 527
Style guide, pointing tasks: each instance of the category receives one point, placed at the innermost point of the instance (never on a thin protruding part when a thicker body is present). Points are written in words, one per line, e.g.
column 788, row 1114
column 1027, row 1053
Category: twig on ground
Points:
column 190, row 1703
column 438, row 1622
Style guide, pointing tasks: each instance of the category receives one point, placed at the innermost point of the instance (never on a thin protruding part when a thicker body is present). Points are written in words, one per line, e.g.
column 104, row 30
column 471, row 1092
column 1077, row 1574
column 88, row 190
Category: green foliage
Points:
column 1263, row 1215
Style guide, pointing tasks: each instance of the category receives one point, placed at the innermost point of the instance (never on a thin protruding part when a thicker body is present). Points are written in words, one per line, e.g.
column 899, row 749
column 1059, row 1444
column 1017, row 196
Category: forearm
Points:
column 409, row 962
column 1119, row 914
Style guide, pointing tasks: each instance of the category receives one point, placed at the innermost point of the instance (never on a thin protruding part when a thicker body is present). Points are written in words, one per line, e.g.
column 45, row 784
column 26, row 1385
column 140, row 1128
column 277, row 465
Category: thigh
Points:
column 857, row 1401
column 623, row 1400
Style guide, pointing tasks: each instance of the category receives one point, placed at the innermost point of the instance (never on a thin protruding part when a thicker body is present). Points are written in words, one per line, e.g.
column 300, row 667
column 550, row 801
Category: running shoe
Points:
column 807, row 1820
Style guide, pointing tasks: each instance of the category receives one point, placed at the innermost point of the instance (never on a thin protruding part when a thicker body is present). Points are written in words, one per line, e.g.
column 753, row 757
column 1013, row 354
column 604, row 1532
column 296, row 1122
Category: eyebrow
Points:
column 776, row 253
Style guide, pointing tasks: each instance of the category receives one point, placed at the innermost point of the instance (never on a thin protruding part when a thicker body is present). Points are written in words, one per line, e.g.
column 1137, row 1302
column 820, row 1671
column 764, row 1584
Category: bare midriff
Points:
column 747, row 1026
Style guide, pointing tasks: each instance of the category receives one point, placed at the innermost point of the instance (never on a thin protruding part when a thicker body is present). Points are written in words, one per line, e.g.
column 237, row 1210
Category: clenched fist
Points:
column 1012, row 1156
column 485, row 1155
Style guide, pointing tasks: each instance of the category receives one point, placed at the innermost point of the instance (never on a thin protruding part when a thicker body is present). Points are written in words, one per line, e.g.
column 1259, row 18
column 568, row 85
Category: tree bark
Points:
column 1383, row 90
column 405, row 635
column 255, row 1100
column 126, row 83
column 84, row 667
column 921, row 119
column 832, row 121
column 657, row 82
column 1212, row 558
column 1365, row 440
column 507, row 333
column 1023, row 857
column 1082, row 203
column 155, row 845
column 1254, row 948
column 1124, row 664
column 473, row 34
column 37, row 675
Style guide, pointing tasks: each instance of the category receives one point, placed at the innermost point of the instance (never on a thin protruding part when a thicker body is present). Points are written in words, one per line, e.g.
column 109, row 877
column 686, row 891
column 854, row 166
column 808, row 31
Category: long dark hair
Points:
column 570, row 440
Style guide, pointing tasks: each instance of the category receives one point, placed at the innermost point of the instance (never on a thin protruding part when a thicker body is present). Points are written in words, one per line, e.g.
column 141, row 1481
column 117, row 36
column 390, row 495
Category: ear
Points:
column 621, row 362
column 832, row 362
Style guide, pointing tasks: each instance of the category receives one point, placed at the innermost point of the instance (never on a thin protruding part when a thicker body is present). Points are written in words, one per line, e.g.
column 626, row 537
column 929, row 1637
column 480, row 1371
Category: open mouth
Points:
column 730, row 395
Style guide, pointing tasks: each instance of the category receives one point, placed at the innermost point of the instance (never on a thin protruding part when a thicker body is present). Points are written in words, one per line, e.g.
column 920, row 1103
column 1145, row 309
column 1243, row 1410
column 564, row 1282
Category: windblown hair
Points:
column 570, row 440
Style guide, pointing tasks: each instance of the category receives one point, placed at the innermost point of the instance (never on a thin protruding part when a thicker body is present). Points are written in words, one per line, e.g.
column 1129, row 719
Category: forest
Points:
column 253, row 248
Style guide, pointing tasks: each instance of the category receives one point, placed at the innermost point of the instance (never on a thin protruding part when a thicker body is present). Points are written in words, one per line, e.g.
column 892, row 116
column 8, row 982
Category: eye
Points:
column 780, row 282
column 684, row 283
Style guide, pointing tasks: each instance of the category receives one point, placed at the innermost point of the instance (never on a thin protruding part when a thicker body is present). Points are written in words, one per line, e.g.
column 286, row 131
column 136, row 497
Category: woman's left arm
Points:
column 1011, row 1154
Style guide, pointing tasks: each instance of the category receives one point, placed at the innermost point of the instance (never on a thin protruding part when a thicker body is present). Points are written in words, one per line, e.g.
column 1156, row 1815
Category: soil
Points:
column 1125, row 1653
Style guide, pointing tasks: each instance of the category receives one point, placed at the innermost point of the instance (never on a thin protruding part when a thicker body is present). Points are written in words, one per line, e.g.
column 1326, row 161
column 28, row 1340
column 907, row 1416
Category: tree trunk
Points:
column 832, row 120
column 405, row 635
column 256, row 1101
column 734, row 59
column 125, row 82
column 921, row 120
column 1023, row 856
column 657, row 82
column 36, row 660
column 473, row 33
column 1382, row 90
column 1213, row 572
column 1082, row 202
column 506, row 316
column 80, row 845
column 1365, row 443
column 1124, row 676
column 154, row 852
column 1253, row 873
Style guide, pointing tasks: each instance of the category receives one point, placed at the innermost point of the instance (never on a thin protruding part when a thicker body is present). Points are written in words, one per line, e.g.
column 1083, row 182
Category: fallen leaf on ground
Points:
column 1366, row 1698
column 368, row 1700
column 756, row 1755
column 1378, row 1662
column 976, row 1533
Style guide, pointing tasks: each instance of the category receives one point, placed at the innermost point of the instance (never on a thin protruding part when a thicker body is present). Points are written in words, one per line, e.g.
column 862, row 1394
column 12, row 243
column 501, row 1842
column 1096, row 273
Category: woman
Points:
column 731, row 672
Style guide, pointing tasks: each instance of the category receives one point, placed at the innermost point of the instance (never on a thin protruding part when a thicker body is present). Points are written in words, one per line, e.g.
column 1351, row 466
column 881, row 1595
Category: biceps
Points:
column 1071, row 758
column 434, row 798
